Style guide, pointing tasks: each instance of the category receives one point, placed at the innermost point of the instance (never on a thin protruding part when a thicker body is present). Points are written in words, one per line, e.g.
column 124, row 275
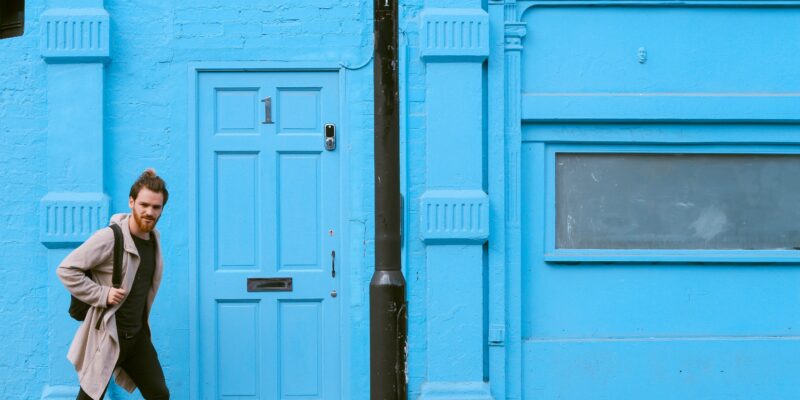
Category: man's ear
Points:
column 130, row 202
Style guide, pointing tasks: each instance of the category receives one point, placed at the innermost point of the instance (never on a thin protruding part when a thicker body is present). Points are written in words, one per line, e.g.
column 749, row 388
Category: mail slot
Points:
column 269, row 284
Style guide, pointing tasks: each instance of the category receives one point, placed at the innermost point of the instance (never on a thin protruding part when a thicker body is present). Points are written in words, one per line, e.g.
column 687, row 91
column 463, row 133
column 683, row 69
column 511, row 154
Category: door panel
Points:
column 268, row 208
column 298, row 212
column 301, row 324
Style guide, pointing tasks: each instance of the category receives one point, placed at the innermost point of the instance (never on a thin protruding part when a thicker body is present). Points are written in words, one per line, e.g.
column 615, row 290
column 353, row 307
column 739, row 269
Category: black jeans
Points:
column 138, row 358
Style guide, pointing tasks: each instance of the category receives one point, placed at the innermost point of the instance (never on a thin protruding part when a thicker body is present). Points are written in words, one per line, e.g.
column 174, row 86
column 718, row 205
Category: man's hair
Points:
column 150, row 180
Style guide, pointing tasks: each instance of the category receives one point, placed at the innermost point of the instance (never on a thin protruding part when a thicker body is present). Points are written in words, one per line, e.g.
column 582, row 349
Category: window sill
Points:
column 673, row 256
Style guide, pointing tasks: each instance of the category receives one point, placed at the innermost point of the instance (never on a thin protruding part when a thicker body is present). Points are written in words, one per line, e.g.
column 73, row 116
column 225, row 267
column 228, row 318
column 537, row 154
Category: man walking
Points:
column 115, row 336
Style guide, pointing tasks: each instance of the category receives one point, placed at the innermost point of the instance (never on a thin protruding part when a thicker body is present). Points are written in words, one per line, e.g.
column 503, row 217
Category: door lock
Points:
column 330, row 137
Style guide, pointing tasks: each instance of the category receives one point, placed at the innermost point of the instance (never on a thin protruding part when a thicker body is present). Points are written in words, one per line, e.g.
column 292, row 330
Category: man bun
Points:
column 152, row 181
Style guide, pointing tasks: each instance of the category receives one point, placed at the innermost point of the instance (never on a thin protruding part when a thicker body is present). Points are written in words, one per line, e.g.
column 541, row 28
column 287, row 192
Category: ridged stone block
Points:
column 454, row 34
column 75, row 35
column 60, row 392
column 456, row 391
column 454, row 216
column 68, row 219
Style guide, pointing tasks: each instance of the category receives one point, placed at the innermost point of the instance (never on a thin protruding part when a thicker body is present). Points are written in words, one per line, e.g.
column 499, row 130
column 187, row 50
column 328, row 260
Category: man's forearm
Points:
column 83, row 288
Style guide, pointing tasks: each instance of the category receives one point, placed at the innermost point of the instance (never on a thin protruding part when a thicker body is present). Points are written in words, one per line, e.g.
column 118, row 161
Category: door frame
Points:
column 195, row 69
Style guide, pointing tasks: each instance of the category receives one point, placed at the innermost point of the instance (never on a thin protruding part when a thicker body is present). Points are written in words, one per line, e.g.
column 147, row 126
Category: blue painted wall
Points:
column 23, row 279
column 531, row 327
column 629, row 323
column 145, row 123
column 146, row 112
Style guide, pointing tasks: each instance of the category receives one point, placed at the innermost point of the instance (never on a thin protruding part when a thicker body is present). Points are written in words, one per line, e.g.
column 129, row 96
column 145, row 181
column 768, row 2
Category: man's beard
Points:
column 145, row 225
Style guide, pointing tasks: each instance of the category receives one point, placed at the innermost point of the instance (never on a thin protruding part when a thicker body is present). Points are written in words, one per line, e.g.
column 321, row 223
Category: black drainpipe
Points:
column 387, row 303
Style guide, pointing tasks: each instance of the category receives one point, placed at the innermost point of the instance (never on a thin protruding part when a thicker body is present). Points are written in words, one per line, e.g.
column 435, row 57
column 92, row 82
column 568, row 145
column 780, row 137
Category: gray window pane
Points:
column 677, row 201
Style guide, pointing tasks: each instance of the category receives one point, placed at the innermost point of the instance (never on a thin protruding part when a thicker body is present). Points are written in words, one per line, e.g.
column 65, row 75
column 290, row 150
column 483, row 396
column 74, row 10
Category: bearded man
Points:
column 115, row 336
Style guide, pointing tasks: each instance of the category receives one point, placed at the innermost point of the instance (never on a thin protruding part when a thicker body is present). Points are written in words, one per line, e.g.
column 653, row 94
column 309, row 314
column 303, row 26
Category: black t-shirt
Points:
column 130, row 315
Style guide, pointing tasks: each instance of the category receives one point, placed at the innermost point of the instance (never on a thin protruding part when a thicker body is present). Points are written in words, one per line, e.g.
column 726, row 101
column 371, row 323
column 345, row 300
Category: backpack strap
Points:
column 116, row 276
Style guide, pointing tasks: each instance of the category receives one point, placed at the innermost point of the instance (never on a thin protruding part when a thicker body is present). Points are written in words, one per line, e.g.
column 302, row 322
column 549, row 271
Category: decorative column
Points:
column 75, row 45
column 455, row 209
column 496, row 161
column 514, row 32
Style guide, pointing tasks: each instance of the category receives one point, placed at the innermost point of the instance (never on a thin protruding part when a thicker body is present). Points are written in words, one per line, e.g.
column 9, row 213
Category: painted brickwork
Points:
column 23, row 283
column 412, row 124
column 449, row 275
column 145, row 124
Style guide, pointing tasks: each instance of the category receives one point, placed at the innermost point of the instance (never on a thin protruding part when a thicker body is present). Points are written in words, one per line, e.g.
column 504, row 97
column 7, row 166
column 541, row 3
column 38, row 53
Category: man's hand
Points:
column 115, row 296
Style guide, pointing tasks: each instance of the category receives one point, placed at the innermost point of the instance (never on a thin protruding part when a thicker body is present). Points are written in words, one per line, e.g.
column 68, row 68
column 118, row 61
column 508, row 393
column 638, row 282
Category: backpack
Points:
column 77, row 308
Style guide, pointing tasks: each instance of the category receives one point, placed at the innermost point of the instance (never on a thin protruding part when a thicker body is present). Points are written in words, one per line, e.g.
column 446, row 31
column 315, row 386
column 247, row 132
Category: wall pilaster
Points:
column 75, row 46
column 454, row 210
column 496, row 160
column 514, row 31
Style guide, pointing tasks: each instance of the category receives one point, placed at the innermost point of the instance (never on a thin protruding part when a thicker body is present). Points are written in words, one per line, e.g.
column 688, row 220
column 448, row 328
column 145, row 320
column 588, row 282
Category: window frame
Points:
column 556, row 255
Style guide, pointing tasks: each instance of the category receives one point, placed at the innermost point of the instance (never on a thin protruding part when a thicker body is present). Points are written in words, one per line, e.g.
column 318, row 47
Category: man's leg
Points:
column 83, row 396
column 143, row 367
column 123, row 350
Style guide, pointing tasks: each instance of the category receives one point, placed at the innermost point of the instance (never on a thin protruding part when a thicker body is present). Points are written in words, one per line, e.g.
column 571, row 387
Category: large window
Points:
column 689, row 205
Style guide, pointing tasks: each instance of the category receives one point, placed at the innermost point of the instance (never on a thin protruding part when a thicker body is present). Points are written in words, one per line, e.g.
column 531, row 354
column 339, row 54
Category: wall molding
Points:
column 456, row 391
column 59, row 392
column 696, row 107
column 458, row 216
column 524, row 5
column 75, row 35
column 514, row 32
column 68, row 219
column 454, row 34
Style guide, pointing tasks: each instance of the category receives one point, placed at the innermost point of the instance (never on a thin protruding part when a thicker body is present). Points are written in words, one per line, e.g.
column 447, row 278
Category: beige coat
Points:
column 94, row 352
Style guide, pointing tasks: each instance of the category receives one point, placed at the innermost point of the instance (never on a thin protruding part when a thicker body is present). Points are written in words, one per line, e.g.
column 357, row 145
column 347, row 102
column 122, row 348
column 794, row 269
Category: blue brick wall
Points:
column 413, row 131
column 23, row 283
column 145, row 125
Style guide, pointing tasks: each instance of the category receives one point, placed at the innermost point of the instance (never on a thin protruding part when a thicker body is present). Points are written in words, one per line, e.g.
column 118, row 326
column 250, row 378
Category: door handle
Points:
column 333, row 263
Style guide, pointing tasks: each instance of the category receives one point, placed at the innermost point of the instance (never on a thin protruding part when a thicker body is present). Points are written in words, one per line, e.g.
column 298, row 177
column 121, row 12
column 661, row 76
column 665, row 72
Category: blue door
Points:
column 268, row 223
